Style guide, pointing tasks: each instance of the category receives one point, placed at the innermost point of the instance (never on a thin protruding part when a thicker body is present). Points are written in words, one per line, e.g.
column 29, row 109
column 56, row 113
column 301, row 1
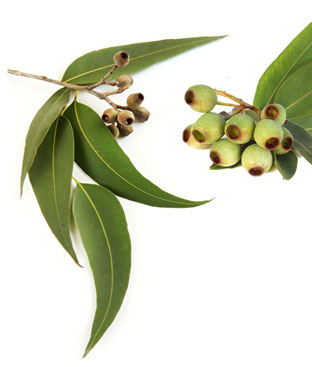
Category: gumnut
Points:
column 141, row 114
column 110, row 115
column 239, row 128
column 274, row 112
column 124, row 130
column 201, row 98
column 121, row 59
column 114, row 130
column 225, row 153
column 188, row 138
column 287, row 142
column 268, row 134
column 124, row 81
column 125, row 117
column 134, row 100
column 257, row 160
column 208, row 128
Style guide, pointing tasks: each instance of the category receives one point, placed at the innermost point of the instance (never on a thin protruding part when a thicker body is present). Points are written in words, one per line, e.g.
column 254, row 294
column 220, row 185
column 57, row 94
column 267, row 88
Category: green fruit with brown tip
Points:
column 268, row 134
column 257, row 160
column 239, row 129
column 287, row 142
column 208, row 128
column 201, row 98
column 274, row 112
column 189, row 139
column 225, row 153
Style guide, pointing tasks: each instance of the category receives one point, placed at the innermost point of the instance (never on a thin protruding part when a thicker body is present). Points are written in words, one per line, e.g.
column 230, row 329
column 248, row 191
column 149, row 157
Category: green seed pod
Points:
column 188, row 138
column 201, row 98
column 124, row 81
column 110, row 115
column 239, row 128
column 114, row 130
column 286, row 144
column 257, row 160
column 225, row 153
column 125, row 117
column 124, row 130
column 134, row 100
column 268, row 134
column 141, row 114
column 274, row 112
column 121, row 59
column 208, row 128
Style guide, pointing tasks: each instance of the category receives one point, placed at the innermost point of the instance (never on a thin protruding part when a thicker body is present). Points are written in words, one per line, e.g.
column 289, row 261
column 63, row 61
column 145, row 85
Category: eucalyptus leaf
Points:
column 295, row 55
column 99, row 155
column 40, row 126
column 51, row 175
column 91, row 67
column 287, row 164
column 215, row 167
column 295, row 94
column 103, row 229
column 302, row 140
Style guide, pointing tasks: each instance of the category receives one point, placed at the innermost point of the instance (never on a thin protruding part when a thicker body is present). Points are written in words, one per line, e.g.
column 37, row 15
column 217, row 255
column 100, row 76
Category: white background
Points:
column 225, row 284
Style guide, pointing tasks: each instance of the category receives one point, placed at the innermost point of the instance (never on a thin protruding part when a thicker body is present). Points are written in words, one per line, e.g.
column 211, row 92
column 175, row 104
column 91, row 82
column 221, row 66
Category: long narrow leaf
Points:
column 92, row 66
column 50, row 176
column 103, row 229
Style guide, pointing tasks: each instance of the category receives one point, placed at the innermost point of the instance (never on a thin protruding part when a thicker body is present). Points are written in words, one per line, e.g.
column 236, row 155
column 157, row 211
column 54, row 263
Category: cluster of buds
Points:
column 119, row 119
column 247, row 136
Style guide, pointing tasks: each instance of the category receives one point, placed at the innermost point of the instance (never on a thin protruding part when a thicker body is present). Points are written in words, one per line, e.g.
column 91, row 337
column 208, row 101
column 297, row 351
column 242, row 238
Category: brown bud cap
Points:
column 125, row 117
column 121, row 59
column 124, row 81
column 141, row 114
column 135, row 99
column 124, row 130
column 110, row 115
column 114, row 130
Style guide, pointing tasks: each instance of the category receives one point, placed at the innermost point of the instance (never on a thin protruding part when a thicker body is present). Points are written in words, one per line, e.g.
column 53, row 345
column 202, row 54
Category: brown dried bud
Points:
column 135, row 99
column 121, row 59
column 141, row 114
column 110, row 115
column 124, row 130
column 125, row 117
column 114, row 130
column 124, row 81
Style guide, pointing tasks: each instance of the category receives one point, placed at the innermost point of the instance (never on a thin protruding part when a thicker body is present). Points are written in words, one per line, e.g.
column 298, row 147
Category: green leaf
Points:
column 215, row 167
column 40, row 126
column 295, row 94
column 50, row 176
column 103, row 229
column 295, row 55
column 302, row 140
column 287, row 164
column 91, row 67
column 99, row 155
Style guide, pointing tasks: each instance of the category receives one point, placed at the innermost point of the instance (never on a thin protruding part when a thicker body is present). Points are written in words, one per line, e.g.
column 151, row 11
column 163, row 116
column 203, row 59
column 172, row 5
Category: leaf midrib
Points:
column 134, row 58
column 115, row 172
column 110, row 260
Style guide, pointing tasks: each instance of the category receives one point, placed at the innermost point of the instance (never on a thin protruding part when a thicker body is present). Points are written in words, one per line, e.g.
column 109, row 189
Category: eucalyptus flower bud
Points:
column 134, row 100
column 124, row 130
column 114, row 130
column 124, row 81
column 121, row 59
column 141, row 114
column 110, row 115
column 125, row 117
